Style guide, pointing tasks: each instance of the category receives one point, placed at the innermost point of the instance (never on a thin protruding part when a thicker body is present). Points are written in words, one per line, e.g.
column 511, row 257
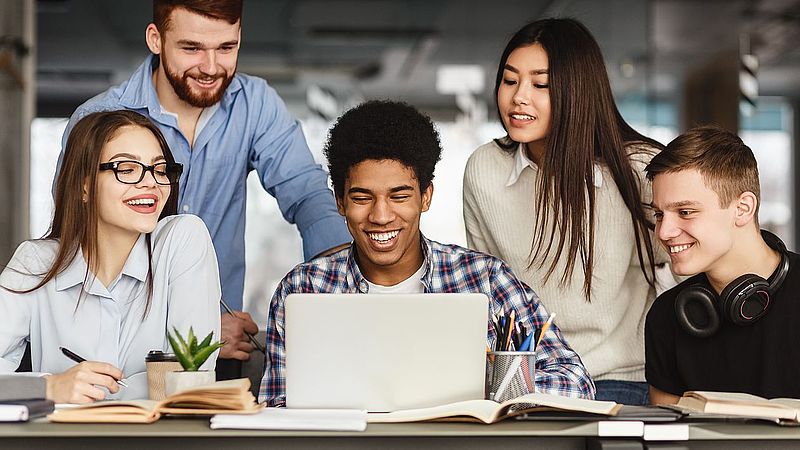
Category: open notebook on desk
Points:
column 488, row 411
column 229, row 397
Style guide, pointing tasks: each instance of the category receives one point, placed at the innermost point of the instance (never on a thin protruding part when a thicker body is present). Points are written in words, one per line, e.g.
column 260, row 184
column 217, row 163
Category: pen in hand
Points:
column 71, row 355
column 252, row 338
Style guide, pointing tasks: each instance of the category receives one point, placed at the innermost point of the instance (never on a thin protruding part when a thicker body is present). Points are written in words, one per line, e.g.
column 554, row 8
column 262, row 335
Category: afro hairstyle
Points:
column 381, row 130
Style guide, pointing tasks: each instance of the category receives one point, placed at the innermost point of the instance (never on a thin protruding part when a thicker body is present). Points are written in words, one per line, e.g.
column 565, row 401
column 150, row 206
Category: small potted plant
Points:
column 191, row 355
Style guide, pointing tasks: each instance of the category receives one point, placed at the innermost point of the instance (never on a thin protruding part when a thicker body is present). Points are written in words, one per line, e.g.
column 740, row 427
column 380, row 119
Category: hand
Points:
column 83, row 383
column 237, row 344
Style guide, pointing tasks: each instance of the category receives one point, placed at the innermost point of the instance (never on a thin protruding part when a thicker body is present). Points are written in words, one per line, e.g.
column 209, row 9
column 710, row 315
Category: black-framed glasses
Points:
column 132, row 172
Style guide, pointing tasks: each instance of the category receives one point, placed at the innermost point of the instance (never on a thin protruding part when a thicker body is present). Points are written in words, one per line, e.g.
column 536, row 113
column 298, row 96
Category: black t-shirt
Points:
column 762, row 358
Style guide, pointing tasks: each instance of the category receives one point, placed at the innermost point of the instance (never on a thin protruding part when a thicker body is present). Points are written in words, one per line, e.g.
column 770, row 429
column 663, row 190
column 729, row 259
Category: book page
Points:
column 790, row 402
column 115, row 411
column 568, row 403
column 486, row 411
column 727, row 397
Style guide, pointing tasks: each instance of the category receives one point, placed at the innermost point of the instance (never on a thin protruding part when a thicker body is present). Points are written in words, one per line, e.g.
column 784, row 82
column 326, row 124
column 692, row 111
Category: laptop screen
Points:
column 384, row 352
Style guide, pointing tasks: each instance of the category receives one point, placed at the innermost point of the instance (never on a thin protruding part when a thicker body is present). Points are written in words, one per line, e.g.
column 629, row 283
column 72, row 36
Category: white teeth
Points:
column 383, row 237
column 142, row 201
column 522, row 117
column 678, row 248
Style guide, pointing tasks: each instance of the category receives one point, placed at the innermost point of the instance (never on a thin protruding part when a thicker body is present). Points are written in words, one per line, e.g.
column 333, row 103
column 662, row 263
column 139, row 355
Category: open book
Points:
column 489, row 411
column 229, row 397
column 740, row 404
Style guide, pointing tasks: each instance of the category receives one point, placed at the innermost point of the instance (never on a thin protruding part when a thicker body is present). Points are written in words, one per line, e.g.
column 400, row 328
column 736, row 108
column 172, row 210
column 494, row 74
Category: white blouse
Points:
column 106, row 323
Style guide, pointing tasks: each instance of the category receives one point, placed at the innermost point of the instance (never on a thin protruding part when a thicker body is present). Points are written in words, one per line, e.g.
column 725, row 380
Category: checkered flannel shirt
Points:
column 448, row 269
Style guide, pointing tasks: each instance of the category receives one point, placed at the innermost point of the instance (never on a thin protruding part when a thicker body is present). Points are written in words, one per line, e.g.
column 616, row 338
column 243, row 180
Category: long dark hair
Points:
column 74, row 223
column 585, row 127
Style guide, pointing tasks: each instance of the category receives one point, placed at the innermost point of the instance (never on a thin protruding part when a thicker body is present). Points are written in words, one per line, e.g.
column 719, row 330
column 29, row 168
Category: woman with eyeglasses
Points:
column 116, row 271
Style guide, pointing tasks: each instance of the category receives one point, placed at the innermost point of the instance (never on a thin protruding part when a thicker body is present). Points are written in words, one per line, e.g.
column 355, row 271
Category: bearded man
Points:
column 220, row 125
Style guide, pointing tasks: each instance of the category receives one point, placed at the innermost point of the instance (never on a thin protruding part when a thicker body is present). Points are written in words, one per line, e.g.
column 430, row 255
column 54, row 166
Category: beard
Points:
column 180, row 84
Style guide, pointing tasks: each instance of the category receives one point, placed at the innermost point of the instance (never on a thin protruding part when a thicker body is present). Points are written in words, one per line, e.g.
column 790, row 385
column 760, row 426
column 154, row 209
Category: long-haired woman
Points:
column 562, row 199
column 115, row 272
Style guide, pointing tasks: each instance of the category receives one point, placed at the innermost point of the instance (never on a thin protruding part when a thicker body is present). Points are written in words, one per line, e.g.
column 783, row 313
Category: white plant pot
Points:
column 182, row 380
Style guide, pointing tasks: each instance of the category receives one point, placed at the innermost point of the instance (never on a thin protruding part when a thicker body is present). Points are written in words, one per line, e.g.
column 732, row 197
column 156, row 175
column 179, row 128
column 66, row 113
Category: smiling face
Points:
column 382, row 204
column 523, row 97
column 698, row 234
column 198, row 56
column 126, row 210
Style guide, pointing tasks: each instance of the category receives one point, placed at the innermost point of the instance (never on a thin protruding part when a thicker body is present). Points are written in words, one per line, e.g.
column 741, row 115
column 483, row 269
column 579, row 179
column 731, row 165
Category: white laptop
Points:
column 384, row 352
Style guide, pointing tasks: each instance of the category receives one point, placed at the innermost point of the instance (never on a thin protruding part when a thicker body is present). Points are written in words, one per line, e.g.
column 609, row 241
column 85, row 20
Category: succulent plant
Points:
column 190, row 354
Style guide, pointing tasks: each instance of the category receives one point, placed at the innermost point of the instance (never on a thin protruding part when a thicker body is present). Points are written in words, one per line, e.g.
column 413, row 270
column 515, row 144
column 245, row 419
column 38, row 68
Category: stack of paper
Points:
column 295, row 419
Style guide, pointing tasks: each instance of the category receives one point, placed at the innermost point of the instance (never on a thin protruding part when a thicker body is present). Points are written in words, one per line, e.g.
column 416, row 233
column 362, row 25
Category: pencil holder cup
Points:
column 510, row 375
column 158, row 364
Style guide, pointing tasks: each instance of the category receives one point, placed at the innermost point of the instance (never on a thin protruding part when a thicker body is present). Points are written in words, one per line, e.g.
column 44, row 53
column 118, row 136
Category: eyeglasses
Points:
column 132, row 172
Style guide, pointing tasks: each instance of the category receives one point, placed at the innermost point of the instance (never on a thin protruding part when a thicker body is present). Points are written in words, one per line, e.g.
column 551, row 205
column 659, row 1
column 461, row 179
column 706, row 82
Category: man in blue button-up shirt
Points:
column 221, row 125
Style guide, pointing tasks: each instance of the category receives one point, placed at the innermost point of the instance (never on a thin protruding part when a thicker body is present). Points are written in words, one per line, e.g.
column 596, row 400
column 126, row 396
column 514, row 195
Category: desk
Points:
column 185, row 434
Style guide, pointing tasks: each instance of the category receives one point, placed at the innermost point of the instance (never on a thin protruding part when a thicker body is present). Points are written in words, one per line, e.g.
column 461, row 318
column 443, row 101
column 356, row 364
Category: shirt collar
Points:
column 357, row 281
column 136, row 266
column 521, row 162
column 140, row 92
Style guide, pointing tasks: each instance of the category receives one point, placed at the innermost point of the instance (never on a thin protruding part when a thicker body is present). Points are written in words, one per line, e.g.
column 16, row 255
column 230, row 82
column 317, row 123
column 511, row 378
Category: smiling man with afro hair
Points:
column 383, row 130
column 381, row 156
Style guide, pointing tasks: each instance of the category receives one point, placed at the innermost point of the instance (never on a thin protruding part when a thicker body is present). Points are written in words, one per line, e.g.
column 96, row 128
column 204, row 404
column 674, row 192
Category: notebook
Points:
column 23, row 410
column 384, row 352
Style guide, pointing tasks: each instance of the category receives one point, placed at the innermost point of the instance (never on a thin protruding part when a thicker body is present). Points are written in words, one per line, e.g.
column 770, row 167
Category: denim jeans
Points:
column 625, row 392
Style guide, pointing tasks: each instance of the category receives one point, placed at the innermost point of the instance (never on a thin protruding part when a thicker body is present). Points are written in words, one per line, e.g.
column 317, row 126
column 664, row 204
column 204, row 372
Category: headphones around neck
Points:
column 745, row 300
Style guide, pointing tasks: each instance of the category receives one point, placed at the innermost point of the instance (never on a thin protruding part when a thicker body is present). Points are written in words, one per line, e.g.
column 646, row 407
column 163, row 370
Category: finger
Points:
column 97, row 379
column 245, row 346
column 247, row 321
column 228, row 350
column 104, row 368
column 240, row 355
column 93, row 393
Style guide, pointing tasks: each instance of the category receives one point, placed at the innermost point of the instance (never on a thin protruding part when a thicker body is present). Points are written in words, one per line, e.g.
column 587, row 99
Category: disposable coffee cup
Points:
column 158, row 364
column 510, row 375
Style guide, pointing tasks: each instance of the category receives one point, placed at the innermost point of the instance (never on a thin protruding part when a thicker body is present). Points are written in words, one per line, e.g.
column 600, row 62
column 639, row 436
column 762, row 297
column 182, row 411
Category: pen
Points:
column 71, row 355
column 252, row 339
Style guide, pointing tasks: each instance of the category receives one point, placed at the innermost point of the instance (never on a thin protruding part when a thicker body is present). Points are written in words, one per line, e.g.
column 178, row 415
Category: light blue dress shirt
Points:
column 106, row 323
column 251, row 129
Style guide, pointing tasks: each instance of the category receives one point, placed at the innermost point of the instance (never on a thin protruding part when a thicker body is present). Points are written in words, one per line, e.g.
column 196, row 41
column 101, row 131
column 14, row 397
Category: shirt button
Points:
column 185, row 208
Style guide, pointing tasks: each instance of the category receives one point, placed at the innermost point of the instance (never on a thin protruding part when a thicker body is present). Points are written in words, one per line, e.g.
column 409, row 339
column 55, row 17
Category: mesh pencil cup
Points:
column 510, row 375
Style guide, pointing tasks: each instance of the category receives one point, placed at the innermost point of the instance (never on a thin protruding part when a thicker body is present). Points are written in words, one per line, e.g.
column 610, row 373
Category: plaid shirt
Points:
column 448, row 269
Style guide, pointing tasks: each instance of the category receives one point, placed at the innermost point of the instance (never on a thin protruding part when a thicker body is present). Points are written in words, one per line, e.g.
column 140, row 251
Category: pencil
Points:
column 544, row 328
column 252, row 338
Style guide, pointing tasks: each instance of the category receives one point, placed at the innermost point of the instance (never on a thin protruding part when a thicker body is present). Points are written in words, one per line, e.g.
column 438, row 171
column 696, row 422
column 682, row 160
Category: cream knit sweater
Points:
column 607, row 333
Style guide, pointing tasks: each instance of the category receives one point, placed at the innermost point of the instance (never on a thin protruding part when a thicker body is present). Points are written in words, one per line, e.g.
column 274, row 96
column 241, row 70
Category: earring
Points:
column 85, row 199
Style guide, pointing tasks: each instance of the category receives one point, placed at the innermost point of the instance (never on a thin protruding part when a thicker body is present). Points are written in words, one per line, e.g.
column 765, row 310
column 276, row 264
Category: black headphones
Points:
column 745, row 300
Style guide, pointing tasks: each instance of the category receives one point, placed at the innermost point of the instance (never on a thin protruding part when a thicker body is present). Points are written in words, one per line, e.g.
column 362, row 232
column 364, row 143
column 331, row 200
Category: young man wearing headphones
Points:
column 732, row 326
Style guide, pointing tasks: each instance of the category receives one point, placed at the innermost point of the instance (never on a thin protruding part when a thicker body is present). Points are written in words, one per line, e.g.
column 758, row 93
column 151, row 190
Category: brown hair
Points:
column 74, row 223
column 228, row 10
column 585, row 127
column 727, row 165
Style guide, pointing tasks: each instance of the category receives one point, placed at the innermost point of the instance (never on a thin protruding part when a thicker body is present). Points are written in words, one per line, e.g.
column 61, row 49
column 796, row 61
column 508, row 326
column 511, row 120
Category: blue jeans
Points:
column 625, row 392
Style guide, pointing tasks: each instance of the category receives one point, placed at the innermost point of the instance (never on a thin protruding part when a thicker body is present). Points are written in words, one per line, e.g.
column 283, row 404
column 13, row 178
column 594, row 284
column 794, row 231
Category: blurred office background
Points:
column 672, row 63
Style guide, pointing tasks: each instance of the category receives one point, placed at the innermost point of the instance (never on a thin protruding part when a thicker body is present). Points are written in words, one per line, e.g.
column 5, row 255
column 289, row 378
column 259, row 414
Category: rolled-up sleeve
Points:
column 559, row 370
column 287, row 170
